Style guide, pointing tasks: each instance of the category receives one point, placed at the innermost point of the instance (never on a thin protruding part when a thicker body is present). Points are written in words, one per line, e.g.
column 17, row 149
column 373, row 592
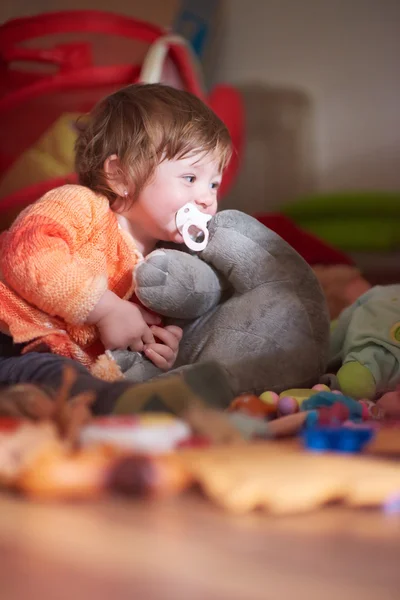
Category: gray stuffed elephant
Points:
column 248, row 301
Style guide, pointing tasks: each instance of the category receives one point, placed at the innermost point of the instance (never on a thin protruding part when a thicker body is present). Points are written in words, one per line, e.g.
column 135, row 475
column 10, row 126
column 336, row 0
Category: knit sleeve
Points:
column 53, row 259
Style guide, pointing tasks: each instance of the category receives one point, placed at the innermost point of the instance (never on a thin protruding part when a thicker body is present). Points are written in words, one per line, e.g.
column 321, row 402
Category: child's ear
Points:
column 115, row 176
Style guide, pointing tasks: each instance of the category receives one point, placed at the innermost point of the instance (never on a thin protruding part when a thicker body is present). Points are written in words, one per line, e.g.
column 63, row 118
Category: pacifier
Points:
column 192, row 225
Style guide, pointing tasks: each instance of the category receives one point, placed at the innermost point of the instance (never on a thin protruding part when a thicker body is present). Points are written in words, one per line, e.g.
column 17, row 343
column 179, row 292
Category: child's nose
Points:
column 204, row 200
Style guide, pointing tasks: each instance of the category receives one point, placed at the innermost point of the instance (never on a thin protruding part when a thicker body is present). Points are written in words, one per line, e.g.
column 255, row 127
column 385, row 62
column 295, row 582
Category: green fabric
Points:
column 352, row 222
column 356, row 381
column 366, row 337
column 380, row 204
column 356, row 234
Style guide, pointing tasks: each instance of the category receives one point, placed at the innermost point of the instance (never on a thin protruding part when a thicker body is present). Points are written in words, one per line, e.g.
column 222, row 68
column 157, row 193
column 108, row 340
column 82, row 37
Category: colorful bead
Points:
column 321, row 387
column 301, row 394
column 270, row 398
column 288, row 405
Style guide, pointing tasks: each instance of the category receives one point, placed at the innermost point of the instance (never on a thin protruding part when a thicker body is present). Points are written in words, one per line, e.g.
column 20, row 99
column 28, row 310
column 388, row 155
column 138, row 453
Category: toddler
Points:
column 67, row 261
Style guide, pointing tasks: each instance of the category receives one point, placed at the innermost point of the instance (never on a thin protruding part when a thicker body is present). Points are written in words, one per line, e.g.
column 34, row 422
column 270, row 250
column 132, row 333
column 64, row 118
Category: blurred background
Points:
column 319, row 83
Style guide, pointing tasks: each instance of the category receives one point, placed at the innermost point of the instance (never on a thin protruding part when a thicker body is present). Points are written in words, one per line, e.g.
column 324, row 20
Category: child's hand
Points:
column 164, row 354
column 124, row 328
column 122, row 324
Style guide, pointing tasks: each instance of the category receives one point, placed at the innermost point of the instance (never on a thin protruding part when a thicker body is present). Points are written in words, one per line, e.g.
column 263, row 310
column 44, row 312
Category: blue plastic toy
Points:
column 337, row 439
column 329, row 398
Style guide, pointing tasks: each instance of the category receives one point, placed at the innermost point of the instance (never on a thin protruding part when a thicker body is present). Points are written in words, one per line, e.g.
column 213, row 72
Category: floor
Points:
column 186, row 548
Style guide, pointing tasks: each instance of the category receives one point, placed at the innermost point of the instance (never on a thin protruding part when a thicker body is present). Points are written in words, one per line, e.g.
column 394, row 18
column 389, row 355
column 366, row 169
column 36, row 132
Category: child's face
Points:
column 193, row 179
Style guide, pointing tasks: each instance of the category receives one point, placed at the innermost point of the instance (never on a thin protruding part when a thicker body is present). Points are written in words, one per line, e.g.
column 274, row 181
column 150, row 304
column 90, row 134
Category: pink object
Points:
column 366, row 410
column 321, row 387
column 365, row 413
column 333, row 415
column 288, row 405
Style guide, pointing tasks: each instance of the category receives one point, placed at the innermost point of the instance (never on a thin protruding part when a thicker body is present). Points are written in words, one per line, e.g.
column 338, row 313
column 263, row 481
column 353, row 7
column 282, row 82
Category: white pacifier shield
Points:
column 190, row 222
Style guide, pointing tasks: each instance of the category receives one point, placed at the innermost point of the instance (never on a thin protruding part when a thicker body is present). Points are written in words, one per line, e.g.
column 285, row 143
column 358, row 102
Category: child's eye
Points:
column 190, row 178
column 215, row 185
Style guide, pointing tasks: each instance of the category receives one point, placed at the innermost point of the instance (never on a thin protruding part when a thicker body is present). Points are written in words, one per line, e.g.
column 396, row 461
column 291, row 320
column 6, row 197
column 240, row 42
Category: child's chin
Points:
column 177, row 238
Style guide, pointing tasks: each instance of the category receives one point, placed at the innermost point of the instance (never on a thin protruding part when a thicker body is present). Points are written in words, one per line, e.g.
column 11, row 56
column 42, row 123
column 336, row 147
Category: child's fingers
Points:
column 150, row 318
column 162, row 350
column 168, row 337
column 148, row 337
column 160, row 355
column 134, row 346
column 175, row 330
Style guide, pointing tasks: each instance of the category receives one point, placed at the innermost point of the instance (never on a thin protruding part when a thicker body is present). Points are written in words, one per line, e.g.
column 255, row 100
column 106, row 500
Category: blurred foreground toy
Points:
column 146, row 432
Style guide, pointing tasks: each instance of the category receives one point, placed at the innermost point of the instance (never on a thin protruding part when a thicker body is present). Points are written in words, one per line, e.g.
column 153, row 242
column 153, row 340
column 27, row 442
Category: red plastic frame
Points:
column 75, row 70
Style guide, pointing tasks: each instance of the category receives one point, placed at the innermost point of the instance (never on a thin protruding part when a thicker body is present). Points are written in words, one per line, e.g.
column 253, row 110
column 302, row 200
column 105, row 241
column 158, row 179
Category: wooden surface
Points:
column 186, row 548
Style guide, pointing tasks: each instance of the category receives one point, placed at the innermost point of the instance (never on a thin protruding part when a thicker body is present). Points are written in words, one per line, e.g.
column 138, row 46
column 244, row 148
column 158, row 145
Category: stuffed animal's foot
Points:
column 356, row 381
column 154, row 286
column 134, row 366
column 176, row 284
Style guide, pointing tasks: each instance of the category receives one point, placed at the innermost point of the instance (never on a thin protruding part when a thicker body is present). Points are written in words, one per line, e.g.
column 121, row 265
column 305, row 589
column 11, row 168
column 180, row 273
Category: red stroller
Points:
column 56, row 66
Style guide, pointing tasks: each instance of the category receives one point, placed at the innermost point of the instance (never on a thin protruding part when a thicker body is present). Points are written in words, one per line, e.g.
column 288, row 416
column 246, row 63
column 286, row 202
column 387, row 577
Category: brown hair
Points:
column 144, row 124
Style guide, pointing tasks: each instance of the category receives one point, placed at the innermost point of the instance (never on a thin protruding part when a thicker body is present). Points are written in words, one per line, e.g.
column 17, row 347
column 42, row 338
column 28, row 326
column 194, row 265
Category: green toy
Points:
column 365, row 344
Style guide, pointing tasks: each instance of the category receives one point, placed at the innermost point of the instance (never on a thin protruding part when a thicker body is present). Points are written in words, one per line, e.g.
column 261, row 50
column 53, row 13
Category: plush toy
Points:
column 248, row 301
column 365, row 344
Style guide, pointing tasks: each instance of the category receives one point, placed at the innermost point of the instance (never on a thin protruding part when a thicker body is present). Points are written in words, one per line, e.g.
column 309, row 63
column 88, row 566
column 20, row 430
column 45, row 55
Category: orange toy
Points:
column 252, row 405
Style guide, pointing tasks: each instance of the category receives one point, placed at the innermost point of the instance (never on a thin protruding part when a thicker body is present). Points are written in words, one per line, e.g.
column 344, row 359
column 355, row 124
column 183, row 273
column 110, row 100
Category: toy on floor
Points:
column 146, row 432
column 271, row 404
column 358, row 410
column 318, row 407
column 289, row 401
column 337, row 439
column 284, row 478
column 329, row 409
column 252, row 405
column 365, row 344
column 248, row 301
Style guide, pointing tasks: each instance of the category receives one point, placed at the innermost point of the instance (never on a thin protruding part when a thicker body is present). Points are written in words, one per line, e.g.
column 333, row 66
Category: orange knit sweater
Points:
column 56, row 261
